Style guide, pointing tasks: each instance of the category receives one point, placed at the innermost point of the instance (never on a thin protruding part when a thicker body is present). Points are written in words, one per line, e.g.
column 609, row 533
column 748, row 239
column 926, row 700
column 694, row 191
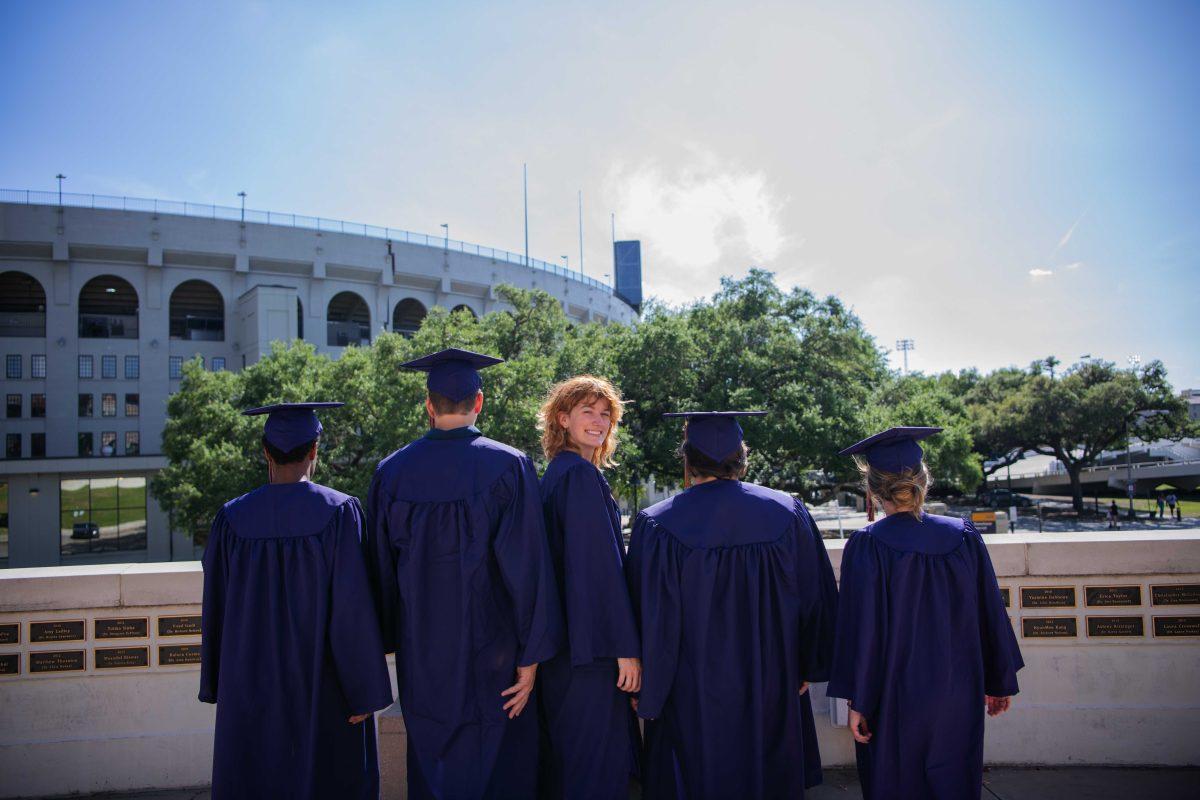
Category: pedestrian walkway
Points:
column 999, row 783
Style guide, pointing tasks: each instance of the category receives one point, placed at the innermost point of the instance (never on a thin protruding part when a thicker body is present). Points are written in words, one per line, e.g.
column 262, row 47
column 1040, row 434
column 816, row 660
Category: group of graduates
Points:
column 528, row 641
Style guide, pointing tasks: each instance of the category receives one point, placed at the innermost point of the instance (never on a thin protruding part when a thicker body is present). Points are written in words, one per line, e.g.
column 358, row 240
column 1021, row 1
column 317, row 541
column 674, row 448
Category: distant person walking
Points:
column 1175, row 513
column 1161, row 504
column 1114, row 517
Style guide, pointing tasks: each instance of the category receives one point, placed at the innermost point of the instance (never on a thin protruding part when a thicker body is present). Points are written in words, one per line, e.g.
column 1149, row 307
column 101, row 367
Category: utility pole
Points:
column 581, row 231
column 905, row 345
column 525, row 184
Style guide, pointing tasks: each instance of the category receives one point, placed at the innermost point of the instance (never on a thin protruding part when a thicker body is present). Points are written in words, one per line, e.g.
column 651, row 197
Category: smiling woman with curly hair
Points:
column 589, row 723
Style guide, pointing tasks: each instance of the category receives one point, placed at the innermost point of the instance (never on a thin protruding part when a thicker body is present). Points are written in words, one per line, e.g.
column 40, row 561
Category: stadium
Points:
column 102, row 299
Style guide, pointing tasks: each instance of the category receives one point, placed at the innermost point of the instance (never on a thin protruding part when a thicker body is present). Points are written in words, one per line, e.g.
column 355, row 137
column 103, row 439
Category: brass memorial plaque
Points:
column 1006, row 596
column 1112, row 595
column 121, row 628
column 59, row 630
column 1049, row 627
column 1177, row 626
column 10, row 633
column 121, row 657
column 179, row 626
column 1175, row 594
column 10, row 664
column 1047, row 597
column 57, row 661
column 1099, row 627
column 171, row 655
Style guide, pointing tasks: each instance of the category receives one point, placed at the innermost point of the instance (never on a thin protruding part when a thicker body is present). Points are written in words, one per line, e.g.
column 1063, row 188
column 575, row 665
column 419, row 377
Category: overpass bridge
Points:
column 1182, row 473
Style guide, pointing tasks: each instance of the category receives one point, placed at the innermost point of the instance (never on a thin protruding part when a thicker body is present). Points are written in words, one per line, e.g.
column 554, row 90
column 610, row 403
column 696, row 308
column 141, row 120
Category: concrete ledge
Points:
column 180, row 582
column 101, row 586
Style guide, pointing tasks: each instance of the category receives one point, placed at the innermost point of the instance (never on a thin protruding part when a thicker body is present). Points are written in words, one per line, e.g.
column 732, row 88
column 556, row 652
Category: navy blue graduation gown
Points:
column 736, row 599
column 466, row 594
column 589, row 725
column 922, row 636
column 291, row 646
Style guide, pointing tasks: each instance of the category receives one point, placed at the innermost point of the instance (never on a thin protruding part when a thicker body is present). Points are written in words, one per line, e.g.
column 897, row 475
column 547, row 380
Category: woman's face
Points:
column 588, row 423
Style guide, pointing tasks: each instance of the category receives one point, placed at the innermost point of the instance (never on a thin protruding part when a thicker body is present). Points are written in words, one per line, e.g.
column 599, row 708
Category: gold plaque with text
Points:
column 57, row 661
column 10, row 633
column 1175, row 594
column 1172, row 627
column 1096, row 596
column 58, row 630
column 179, row 626
column 121, row 628
column 1047, row 597
column 121, row 657
column 1100, row 627
column 174, row 655
column 1049, row 627
column 10, row 663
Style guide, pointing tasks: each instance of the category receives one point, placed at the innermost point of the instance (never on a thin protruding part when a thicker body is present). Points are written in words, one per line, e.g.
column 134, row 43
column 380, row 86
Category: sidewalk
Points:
column 999, row 783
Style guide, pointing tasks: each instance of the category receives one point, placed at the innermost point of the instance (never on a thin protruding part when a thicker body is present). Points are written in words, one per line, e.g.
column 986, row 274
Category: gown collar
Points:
column 465, row 432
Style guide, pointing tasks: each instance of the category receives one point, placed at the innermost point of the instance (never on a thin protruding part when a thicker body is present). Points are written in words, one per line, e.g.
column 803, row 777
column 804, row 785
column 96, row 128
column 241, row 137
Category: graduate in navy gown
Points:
column 466, row 593
column 291, row 652
column 924, row 643
column 591, row 730
column 736, row 600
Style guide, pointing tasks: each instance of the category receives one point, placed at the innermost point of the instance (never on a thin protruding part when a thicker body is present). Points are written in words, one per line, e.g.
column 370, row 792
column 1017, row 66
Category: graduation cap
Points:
column 290, row 425
column 453, row 373
column 717, row 434
column 893, row 450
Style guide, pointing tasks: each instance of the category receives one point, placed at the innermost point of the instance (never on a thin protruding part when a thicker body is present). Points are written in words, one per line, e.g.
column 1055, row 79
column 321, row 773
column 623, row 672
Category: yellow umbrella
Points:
column 1163, row 487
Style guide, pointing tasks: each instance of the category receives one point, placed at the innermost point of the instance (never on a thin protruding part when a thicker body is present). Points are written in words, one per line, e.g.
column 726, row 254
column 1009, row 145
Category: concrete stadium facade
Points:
column 99, row 308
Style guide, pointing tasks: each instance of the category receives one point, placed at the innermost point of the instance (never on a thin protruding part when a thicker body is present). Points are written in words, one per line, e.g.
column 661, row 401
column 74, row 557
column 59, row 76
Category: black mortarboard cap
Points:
column 453, row 373
column 717, row 434
column 290, row 425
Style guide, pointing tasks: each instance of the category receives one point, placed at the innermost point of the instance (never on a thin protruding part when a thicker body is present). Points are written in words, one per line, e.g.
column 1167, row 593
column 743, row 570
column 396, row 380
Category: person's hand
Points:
column 858, row 727
column 357, row 718
column 997, row 705
column 629, row 674
column 803, row 687
column 518, row 693
column 633, row 703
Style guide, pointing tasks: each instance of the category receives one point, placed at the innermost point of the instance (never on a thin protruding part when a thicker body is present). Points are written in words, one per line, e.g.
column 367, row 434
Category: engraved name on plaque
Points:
column 57, row 661
column 1095, row 596
column 122, row 628
column 59, row 630
column 172, row 655
column 1049, row 627
column 1175, row 594
column 1180, row 626
column 1047, row 597
column 179, row 626
column 10, row 633
column 10, row 663
column 1100, row 627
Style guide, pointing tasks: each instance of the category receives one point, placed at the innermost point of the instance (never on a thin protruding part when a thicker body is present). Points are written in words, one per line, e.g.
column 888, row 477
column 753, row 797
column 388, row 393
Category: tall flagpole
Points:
column 525, row 181
column 581, row 231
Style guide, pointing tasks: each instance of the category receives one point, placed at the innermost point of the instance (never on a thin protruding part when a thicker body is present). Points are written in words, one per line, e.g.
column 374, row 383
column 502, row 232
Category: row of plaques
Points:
column 42, row 661
column 1103, row 627
column 75, row 630
column 1170, row 594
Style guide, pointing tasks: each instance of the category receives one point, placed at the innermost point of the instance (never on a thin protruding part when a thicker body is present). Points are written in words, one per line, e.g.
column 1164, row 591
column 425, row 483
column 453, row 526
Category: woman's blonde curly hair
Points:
column 906, row 489
column 563, row 397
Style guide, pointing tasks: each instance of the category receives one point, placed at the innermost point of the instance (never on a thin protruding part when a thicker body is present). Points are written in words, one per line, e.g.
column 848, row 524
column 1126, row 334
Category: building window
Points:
column 108, row 309
column 108, row 405
column 175, row 367
column 133, row 404
column 12, row 367
column 108, row 366
column 108, row 443
column 132, row 443
column 102, row 514
column 197, row 312
column 4, row 522
column 86, row 441
column 133, row 368
column 37, row 366
column 37, row 406
column 86, row 367
column 85, row 405
column 218, row 363
column 37, row 445
column 14, row 406
column 12, row 445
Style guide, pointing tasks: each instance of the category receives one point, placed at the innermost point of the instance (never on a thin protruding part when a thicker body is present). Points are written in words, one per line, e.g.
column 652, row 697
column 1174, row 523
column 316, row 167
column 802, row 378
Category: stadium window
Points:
column 175, row 367
column 37, row 366
column 86, row 367
column 37, row 445
column 12, row 445
column 133, row 367
column 133, row 405
column 86, row 440
column 108, row 405
column 132, row 443
column 37, row 405
column 85, row 405
column 12, row 367
column 14, row 406
column 108, row 443
column 108, row 366
column 218, row 363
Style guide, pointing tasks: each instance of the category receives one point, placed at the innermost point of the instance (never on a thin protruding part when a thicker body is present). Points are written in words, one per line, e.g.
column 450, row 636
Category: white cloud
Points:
column 1037, row 272
column 1066, row 237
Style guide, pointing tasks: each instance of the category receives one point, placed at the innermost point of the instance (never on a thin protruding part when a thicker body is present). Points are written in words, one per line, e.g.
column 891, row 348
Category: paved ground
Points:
column 1003, row 783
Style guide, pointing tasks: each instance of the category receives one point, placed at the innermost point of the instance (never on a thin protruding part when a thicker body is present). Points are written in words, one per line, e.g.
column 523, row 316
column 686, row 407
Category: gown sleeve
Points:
column 1001, row 654
column 862, row 628
column 212, row 617
column 523, row 556
column 599, row 620
column 654, row 580
column 381, row 565
column 821, row 621
column 354, row 635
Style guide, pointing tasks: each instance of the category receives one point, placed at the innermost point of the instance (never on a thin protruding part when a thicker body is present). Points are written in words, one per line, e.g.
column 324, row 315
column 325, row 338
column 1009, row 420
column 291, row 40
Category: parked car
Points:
column 1003, row 498
column 85, row 530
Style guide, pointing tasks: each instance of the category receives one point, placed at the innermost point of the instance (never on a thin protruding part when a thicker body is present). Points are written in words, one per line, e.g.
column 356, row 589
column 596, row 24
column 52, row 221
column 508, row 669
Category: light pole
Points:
column 904, row 346
column 566, row 262
column 242, row 195
column 446, row 226
column 60, row 178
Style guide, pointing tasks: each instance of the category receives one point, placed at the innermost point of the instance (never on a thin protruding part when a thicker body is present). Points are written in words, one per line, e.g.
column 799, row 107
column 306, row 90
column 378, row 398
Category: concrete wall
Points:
column 1084, row 700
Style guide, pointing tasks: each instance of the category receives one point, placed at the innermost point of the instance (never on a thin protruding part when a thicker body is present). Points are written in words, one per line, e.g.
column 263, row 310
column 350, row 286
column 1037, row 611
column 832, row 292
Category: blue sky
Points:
column 998, row 182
